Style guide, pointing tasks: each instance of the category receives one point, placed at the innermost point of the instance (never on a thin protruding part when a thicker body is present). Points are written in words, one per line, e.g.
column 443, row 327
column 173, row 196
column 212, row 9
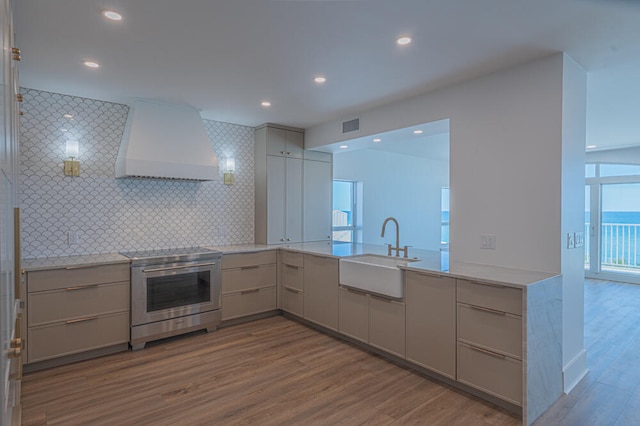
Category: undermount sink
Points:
column 374, row 273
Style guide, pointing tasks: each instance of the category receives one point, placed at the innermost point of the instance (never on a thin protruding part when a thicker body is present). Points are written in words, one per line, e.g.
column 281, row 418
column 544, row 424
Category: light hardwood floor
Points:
column 278, row 372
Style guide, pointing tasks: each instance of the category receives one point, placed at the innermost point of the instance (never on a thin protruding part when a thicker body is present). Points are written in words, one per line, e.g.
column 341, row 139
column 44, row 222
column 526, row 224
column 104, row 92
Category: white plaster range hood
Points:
column 166, row 142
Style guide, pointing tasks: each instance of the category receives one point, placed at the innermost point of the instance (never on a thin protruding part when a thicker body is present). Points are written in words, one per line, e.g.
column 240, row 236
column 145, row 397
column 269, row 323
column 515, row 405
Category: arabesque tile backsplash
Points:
column 111, row 215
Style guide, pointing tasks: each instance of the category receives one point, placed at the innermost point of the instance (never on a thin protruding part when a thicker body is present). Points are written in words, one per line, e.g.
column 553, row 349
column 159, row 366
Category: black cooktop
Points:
column 172, row 255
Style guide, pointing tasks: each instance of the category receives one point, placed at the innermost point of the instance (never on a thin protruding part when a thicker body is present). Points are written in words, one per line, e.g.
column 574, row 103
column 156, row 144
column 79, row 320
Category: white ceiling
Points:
column 225, row 56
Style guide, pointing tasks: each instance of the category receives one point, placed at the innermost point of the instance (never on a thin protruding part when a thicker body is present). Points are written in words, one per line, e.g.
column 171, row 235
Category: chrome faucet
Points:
column 397, row 248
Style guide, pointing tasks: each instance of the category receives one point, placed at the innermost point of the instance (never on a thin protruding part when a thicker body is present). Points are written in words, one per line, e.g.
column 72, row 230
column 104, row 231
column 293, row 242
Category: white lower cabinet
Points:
column 431, row 322
column 375, row 320
column 248, row 284
column 490, row 340
column 353, row 314
column 76, row 309
column 387, row 324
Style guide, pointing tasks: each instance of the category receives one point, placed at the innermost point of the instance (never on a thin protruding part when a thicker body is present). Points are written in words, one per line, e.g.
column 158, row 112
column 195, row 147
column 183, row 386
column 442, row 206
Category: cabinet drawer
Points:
column 77, row 302
column 248, row 277
column 493, row 330
column 53, row 279
column 293, row 276
column 292, row 258
column 292, row 301
column 494, row 374
column 66, row 338
column 353, row 314
column 239, row 260
column 501, row 298
column 248, row 302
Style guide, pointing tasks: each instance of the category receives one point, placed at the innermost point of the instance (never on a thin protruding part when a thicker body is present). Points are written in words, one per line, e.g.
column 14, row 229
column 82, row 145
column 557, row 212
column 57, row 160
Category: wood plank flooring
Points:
column 269, row 372
column 610, row 393
column 278, row 372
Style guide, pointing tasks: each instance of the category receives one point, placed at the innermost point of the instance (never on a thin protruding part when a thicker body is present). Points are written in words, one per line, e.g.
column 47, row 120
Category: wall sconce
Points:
column 229, row 168
column 72, row 166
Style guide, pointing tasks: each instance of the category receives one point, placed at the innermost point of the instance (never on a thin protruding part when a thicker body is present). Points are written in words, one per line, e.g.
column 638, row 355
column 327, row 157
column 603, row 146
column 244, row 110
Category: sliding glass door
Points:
column 612, row 222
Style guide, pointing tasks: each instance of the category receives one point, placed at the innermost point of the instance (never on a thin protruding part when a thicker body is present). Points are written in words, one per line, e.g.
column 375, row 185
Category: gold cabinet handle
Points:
column 13, row 353
column 75, row 321
column 17, row 343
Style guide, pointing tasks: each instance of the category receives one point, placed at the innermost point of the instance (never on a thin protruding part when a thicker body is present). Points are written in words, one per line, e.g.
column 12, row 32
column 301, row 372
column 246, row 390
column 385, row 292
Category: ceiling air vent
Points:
column 351, row 125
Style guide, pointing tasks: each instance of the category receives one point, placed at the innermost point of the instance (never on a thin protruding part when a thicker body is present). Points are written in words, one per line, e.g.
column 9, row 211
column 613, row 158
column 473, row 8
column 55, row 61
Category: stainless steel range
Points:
column 173, row 291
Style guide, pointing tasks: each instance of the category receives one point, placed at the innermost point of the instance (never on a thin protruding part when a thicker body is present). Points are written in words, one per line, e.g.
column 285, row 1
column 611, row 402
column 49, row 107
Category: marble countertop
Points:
column 429, row 261
column 68, row 261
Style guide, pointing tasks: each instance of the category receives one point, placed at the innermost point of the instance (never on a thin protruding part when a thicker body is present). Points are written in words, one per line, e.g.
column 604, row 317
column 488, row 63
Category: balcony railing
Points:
column 619, row 249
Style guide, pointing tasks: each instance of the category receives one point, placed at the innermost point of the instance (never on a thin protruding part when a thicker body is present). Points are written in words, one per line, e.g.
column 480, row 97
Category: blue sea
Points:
column 620, row 245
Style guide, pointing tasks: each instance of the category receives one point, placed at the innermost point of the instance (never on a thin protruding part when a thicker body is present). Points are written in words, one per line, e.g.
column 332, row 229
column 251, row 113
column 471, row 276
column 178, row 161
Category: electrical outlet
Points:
column 72, row 237
column 488, row 241
column 571, row 242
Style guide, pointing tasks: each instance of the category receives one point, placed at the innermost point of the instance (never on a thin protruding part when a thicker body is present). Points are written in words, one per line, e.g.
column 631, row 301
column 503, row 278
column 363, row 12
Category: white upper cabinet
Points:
column 284, row 142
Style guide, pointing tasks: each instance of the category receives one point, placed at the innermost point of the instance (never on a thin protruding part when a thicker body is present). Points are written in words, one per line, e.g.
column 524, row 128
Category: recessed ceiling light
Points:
column 377, row 140
column 417, row 132
column 320, row 79
column 591, row 146
column 91, row 64
column 403, row 41
column 344, row 146
column 112, row 15
column 265, row 104
column 68, row 116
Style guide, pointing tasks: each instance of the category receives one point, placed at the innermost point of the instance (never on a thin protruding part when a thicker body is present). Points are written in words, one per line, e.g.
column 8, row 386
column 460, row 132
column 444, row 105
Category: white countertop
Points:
column 430, row 261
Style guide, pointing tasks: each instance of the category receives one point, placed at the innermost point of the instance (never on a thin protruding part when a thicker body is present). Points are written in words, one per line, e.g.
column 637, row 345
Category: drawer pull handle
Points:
column 82, row 287
column 484, row 351
column 488, row 284
column 244, row 268
column 292, row 290
column 255, row 290
column 71, row 268
column 350, row 290
column 81, row 320
column 291, row 266
column 489, row 310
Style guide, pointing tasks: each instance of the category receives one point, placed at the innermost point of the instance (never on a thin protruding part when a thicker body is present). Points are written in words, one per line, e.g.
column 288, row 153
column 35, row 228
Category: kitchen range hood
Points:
column 165, row 142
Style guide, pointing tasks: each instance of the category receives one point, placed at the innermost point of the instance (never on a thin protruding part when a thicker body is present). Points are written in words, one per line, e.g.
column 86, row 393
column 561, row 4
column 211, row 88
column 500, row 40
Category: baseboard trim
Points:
column 574, row 371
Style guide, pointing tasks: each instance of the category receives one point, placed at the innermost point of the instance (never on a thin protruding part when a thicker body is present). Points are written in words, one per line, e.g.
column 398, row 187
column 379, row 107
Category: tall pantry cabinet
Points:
column 292, row 188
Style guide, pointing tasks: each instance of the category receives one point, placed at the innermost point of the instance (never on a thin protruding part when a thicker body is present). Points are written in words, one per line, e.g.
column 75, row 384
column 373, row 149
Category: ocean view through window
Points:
column 612, row 220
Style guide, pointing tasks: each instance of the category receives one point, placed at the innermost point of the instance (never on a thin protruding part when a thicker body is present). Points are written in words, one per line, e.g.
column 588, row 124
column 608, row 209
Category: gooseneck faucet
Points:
column 397, row 247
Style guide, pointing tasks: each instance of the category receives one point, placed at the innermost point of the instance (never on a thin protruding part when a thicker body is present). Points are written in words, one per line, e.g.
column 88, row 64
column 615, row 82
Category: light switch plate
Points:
column 488, row 241
column 571, row 243
column 578, row 239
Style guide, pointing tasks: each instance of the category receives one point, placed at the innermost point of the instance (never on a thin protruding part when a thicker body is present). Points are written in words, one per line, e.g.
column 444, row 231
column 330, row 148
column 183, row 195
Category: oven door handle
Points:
column 178, row 267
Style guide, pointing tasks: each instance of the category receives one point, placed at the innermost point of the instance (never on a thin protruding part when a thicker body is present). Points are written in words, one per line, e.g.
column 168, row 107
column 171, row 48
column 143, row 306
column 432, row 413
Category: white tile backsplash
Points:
column 111, row 215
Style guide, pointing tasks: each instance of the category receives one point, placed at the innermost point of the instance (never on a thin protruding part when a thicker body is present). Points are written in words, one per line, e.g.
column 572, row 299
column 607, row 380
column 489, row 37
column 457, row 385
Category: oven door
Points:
column 161, row 292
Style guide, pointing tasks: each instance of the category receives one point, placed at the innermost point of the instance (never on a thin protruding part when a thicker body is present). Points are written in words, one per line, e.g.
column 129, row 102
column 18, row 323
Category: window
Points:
column 345, row 211
column 444, row 217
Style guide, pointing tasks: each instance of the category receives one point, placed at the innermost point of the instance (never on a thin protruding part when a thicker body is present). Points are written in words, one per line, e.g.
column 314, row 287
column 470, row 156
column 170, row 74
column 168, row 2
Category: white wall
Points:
column 512, row 161
column 405, row 187
column 574, row 117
